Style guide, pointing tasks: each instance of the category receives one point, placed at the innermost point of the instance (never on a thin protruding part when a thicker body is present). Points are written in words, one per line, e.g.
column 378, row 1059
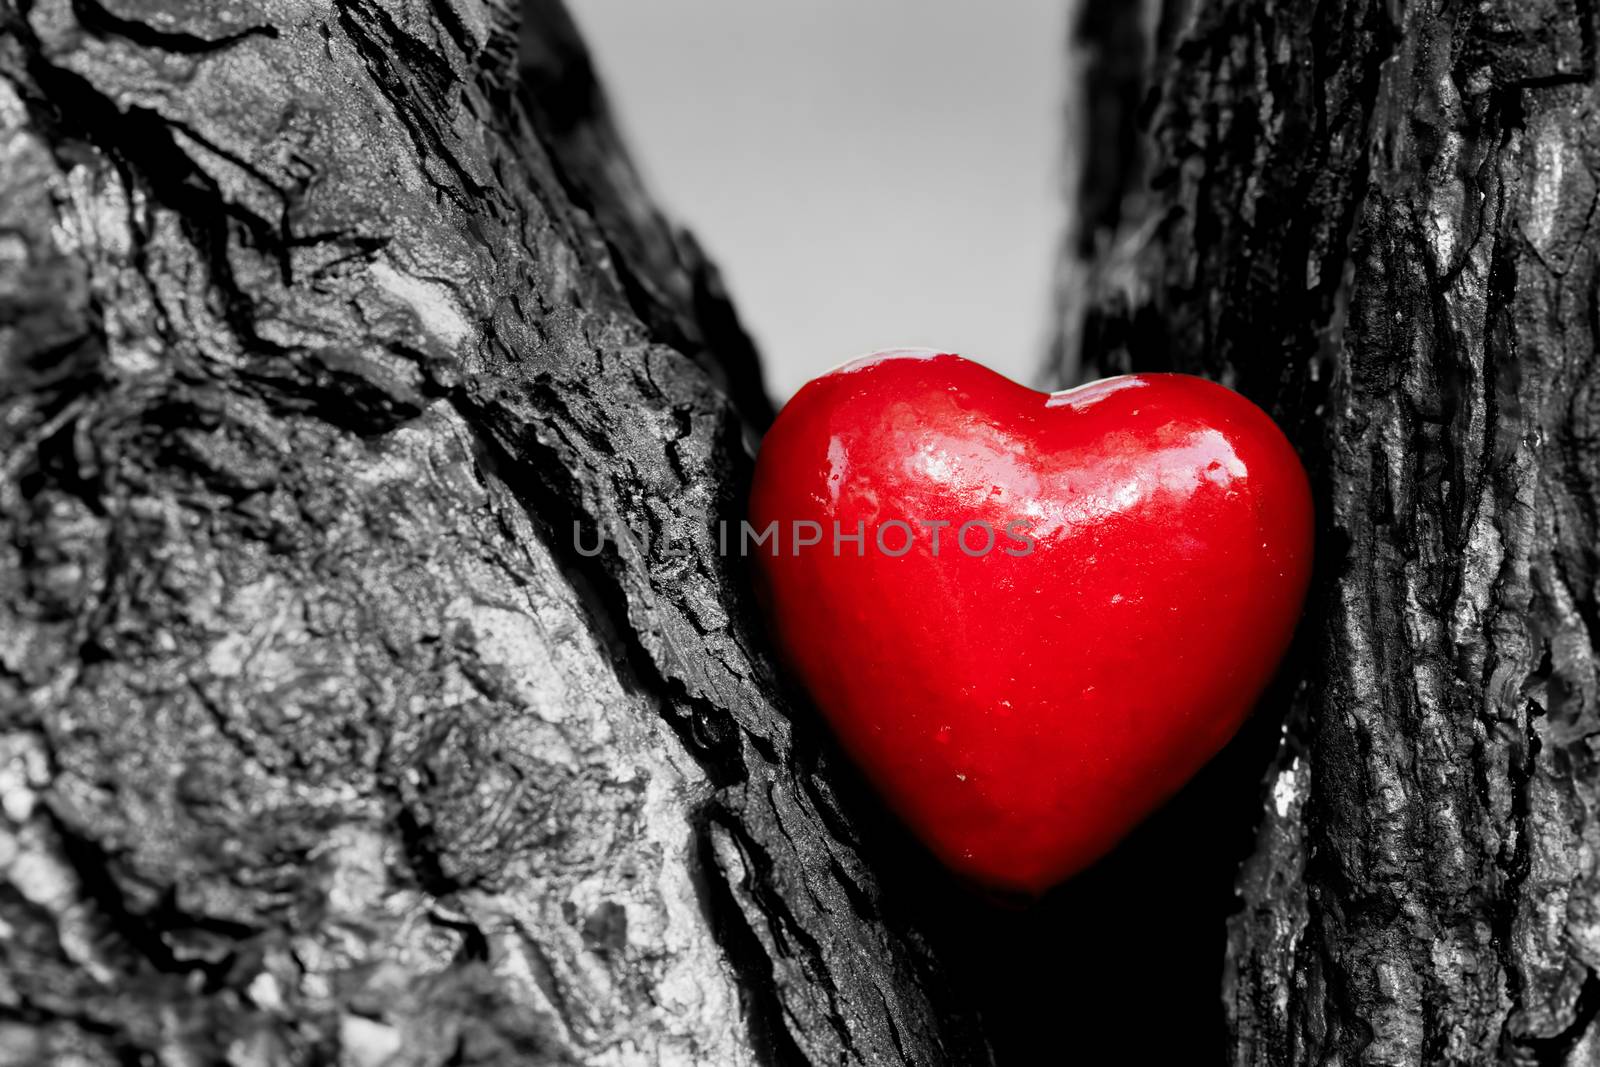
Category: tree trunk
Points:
column 322, row 328
column 1375, row 219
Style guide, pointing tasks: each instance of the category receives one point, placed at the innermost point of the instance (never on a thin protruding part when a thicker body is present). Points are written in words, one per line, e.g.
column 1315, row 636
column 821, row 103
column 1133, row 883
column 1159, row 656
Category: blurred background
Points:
column 867, row 176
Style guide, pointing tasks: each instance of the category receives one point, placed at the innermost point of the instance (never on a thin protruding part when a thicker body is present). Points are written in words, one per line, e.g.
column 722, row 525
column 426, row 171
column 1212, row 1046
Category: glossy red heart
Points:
column 1022, row 708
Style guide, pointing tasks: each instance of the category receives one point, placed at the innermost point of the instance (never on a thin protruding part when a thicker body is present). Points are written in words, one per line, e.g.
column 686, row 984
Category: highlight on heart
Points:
column 705, row 532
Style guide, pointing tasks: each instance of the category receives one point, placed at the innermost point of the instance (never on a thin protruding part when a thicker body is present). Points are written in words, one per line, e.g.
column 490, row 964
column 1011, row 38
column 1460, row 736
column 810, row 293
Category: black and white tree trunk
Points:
column 321, row 325
column 1375, row 219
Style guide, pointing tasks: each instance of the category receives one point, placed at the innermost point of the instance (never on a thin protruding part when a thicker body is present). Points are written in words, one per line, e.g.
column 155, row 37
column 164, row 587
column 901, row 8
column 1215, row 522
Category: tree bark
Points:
column 1375, row 219
column 323, row 324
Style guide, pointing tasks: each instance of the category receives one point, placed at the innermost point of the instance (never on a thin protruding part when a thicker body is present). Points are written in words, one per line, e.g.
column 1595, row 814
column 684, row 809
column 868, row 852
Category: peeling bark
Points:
column 1376, row 220
column 322, row 325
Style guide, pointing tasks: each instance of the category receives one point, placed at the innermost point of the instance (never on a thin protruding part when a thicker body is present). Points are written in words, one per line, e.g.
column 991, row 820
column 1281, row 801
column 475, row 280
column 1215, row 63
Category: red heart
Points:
column 1023, row 710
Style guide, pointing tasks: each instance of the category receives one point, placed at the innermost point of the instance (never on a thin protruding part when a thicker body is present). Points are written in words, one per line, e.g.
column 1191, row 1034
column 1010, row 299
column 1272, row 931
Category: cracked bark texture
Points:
column 1376, row 219
column 322, row 323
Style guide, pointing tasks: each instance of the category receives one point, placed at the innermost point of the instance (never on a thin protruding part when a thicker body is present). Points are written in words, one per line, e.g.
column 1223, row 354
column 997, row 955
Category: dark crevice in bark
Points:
column 142, row 142
column 757, row 991
column 384, row 47
column 97, row 19
column 1555, row 1051
column 138, row 932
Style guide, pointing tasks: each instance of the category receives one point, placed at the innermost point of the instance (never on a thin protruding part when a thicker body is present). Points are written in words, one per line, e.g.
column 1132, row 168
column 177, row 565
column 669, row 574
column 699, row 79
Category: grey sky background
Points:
column 867, row 174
